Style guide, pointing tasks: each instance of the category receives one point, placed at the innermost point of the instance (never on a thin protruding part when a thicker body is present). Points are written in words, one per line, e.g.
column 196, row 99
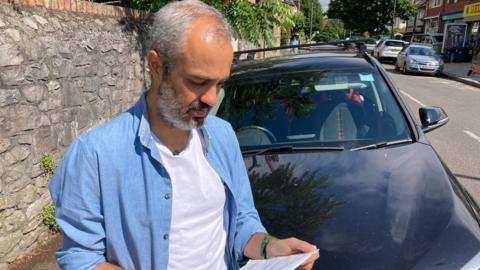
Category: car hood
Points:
column 389, row 208
column 424, row 58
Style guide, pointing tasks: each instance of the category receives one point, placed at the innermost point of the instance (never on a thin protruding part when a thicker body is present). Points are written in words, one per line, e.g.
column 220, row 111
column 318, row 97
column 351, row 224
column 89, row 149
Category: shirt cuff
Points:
column 243, row 236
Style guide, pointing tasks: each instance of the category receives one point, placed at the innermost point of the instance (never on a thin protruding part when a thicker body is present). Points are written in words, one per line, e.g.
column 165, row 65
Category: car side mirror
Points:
column 432, row 118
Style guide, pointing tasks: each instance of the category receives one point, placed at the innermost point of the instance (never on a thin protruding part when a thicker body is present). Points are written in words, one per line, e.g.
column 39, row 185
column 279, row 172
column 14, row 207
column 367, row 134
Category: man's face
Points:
column 189, row 92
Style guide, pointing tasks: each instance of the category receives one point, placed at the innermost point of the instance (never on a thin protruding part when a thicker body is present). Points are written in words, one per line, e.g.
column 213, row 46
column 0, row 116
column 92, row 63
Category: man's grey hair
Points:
column 172, row 22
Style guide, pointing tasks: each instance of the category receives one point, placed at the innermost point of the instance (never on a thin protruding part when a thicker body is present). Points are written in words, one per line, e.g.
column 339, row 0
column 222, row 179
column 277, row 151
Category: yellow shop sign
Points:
column 471, row 10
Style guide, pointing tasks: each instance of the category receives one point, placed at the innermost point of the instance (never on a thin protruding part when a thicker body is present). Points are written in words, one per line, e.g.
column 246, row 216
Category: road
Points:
column 458, row 142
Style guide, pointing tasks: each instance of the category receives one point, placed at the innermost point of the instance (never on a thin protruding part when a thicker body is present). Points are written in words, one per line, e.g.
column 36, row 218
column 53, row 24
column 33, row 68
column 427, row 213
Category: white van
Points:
column 435, row 40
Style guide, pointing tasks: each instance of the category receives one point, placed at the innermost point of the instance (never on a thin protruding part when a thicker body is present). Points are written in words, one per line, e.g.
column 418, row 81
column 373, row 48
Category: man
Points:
column 294, row 42
column 163, row 185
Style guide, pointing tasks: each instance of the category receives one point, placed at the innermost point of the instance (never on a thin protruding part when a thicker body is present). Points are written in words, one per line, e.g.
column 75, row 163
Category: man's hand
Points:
column 280, row 247
column 283, row 247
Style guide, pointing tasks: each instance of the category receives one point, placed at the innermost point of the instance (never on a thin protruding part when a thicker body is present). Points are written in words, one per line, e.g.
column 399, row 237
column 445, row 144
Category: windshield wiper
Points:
column 291, row 148
column 381, row 145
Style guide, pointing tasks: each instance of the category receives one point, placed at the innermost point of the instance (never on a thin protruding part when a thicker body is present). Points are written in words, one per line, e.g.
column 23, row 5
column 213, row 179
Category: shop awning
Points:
column 471, row 19
column 453, row 16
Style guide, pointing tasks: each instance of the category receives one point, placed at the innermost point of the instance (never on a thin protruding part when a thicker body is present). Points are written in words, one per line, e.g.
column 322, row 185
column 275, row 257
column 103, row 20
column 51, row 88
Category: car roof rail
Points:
column 346, row 45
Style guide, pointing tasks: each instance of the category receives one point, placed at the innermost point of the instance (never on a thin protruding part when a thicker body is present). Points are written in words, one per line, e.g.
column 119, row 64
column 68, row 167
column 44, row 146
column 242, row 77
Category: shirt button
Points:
column 165, row 236
column 167, row 196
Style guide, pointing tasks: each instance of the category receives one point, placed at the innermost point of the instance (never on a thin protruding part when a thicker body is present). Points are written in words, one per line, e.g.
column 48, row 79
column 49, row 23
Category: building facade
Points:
column 416, row 23
column 440, row 12
column 471, row 16
column 433, row 9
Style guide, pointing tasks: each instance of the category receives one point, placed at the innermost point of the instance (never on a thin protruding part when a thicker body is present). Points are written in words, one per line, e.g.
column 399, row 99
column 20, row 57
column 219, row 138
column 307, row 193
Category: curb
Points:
column 462, row 80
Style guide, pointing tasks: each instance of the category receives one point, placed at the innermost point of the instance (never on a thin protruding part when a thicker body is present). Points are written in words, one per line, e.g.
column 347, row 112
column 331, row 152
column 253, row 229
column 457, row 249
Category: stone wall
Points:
column 61, row 73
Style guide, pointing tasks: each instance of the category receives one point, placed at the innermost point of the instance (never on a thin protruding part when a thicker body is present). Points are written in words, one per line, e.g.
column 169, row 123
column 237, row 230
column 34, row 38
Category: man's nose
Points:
column 210, row 96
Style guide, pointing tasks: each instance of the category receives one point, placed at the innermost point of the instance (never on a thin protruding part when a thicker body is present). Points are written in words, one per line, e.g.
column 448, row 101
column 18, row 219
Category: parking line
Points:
column 414, row 99
column 471, row 134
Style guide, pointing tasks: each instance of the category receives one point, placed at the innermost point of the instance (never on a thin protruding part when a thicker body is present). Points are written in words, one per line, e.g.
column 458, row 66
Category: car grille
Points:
column 426, row 66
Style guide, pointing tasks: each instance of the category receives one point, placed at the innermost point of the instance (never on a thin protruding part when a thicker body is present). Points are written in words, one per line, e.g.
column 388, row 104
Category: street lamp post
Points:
column 311, row 15
column 393, row 16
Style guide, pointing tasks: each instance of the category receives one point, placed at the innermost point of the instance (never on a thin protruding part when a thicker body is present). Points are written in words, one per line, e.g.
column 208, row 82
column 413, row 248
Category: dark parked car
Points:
column 336, row 157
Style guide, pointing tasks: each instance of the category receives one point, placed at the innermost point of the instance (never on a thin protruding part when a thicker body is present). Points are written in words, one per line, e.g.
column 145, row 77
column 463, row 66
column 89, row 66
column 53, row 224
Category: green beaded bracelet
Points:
column 263, row 246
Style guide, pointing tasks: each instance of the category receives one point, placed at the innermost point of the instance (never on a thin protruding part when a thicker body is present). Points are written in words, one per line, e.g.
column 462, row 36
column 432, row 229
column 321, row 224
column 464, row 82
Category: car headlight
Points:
column 412, row 62
column 473, row 264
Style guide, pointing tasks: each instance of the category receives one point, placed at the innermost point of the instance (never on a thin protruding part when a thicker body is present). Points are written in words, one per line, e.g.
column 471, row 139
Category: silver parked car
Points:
column 419, row 59
column 370, row 45
column 388, row 49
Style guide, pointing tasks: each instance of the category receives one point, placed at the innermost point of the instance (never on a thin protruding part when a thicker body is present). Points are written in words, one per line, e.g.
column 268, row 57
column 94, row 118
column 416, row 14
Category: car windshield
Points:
column 345, row 108
column 421, row 51
column 394, row 43
column 370, row 41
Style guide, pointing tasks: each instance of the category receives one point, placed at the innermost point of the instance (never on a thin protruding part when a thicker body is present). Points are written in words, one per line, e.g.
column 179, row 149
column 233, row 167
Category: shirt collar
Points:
column 144, row 130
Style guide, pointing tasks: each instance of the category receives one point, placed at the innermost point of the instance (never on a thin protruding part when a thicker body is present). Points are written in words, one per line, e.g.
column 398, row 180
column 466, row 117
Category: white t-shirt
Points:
column 197, row 235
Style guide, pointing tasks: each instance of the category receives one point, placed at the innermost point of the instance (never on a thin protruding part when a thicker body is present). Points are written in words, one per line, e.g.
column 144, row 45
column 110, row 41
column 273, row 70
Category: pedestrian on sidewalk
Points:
column 294, row 42
column 163, row 185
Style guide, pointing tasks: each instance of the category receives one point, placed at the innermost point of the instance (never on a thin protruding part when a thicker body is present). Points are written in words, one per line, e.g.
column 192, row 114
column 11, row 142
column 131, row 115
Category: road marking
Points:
column 414, row 99
column 471, row 134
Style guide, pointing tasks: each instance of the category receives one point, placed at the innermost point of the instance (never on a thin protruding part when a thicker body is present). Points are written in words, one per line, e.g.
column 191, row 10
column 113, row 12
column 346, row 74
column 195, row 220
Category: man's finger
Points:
column 311, row 260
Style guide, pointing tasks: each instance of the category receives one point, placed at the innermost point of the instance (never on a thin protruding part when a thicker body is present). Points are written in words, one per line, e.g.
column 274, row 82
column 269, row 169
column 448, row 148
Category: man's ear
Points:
column 155, row 64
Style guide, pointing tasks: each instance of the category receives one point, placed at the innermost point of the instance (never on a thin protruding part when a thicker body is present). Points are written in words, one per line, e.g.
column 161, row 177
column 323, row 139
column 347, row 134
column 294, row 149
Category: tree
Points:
column 250, row 22
column 312, row 16
column 299, row 24
column 328, row 32
column 254, row 22
column 370, row 15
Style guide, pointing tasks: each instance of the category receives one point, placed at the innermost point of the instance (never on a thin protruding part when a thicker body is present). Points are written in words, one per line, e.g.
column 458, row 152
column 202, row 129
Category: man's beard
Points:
column 171, row 111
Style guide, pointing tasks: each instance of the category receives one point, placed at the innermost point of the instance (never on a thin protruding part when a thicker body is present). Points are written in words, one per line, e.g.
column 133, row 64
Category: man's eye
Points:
column 199, row 83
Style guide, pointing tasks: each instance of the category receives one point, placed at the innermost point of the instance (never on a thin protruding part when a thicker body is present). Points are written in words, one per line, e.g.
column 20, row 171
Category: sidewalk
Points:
column 42, row 258
column 458, row 72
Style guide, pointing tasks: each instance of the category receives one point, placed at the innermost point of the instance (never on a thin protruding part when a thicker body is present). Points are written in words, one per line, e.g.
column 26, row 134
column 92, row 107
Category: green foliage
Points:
column 47, row 164
column 370, row 15
column 340, row 28
column 251, row 22
column 48, row 211
column 327, row 33
column 48, row 218
column 299, row 21
column 311, row 10
column 254, row 22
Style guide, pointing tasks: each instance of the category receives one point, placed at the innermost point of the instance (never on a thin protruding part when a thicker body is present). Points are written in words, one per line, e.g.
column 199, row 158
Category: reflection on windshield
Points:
column 421, row 51
column 394, row 44
column 341, row 108
column 292, row 203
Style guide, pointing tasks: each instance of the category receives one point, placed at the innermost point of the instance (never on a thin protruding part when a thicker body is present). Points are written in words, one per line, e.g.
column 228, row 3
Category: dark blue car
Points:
column 335, row 157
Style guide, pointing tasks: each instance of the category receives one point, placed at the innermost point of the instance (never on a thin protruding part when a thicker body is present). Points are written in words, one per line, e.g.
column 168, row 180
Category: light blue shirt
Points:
column 113, row 197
